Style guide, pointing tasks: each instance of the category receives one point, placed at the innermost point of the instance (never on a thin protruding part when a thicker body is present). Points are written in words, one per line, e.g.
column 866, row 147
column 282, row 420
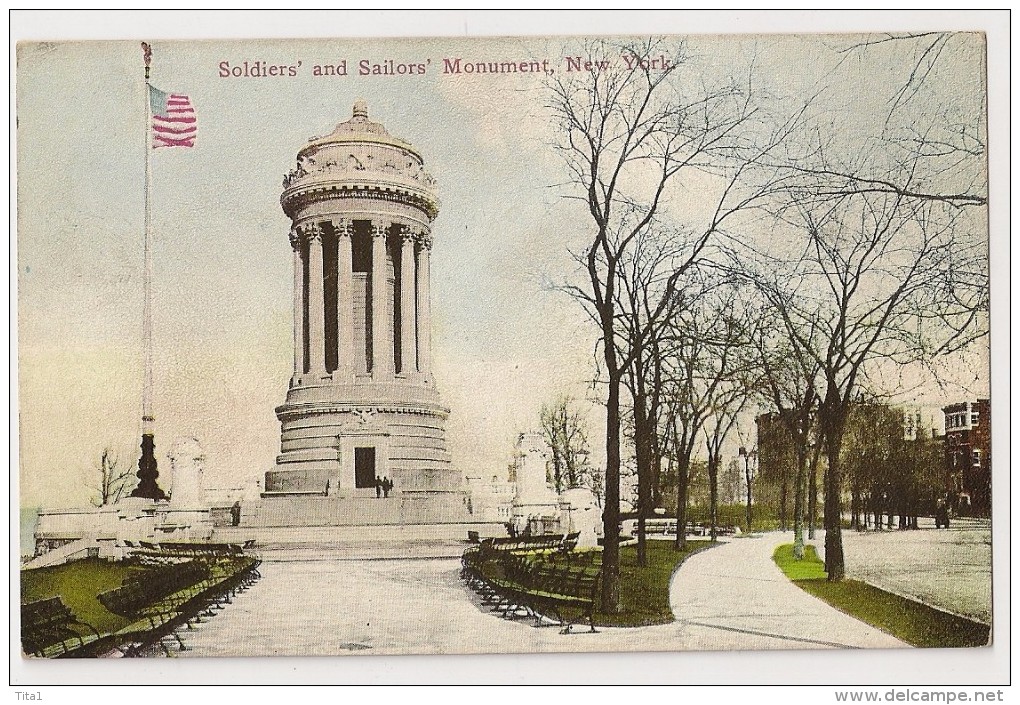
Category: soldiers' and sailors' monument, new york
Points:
column 362, row 407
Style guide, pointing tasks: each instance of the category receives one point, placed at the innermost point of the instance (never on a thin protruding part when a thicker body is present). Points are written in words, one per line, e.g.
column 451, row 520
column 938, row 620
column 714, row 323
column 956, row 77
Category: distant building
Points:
column 968, row 452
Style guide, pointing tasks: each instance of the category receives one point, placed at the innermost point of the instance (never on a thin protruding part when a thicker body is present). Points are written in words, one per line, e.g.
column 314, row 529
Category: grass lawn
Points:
column 644, row 592
column 908, row 620
column 78, row 583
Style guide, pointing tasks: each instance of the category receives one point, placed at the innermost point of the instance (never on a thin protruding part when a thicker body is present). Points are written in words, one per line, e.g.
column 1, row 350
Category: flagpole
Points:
column 147, row 467
column 148, row 419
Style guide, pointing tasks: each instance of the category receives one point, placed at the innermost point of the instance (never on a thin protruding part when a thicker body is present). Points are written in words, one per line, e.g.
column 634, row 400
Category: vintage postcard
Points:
column 356, row 347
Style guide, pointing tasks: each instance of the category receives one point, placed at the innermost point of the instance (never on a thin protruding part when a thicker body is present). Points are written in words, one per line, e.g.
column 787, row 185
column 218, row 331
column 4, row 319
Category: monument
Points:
column 535, row 505
column 362, row 419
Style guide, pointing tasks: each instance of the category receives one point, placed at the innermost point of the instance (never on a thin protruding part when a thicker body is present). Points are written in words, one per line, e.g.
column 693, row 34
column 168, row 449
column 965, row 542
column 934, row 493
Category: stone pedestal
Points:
column 535, row 505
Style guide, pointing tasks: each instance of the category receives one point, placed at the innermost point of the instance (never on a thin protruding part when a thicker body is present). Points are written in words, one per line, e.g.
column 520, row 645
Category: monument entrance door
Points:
column 364, row 467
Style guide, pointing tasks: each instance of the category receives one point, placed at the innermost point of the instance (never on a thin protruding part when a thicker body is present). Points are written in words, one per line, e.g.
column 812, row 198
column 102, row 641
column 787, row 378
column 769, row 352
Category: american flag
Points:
column 173, row 119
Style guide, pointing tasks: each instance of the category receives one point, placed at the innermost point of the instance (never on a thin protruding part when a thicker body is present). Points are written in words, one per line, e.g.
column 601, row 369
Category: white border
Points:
column 984, row 666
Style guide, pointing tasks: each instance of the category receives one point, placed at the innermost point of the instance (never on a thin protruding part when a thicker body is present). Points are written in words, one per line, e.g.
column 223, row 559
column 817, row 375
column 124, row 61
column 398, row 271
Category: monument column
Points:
column 316, row 305
column 382, row 341
column 408, row 334
column 424, row 312
column 299, row 304
column 344, row 299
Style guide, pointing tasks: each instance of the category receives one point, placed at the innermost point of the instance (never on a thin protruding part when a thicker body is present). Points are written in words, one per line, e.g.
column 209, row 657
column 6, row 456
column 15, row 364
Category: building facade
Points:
column 968, row 449
column 362, row 410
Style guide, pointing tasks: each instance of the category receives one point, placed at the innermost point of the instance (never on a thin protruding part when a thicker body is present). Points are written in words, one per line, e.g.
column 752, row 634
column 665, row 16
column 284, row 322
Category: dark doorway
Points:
column 364, row 467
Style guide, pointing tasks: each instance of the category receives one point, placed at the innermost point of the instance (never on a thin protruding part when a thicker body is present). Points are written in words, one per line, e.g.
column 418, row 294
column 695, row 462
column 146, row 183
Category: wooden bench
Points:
column 50, row 628
column 157, row 595
column 557, row 584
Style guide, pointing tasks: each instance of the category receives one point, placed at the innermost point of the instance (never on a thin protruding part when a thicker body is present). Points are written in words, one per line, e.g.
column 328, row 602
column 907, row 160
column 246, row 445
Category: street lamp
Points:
column 748, row 456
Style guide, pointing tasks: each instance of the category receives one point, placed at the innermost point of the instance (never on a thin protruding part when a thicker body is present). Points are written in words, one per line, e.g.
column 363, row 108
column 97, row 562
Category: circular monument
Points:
column 362, row 406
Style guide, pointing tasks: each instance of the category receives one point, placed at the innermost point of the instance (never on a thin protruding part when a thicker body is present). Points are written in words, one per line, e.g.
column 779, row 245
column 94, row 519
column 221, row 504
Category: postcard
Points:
column 360, row 347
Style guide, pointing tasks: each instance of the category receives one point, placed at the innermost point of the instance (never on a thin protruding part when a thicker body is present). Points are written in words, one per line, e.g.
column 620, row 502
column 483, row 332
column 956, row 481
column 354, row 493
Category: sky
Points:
column 505, row 340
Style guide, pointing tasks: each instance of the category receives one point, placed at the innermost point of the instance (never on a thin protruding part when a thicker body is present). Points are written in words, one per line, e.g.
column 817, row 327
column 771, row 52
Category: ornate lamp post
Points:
column 750, row 458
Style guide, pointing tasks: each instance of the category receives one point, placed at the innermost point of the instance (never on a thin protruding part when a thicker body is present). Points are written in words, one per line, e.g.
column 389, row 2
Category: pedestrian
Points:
column 378, row 487
column 387, row 485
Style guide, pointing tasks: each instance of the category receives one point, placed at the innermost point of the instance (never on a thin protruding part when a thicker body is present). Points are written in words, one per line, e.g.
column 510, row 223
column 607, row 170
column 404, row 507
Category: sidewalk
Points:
column 736, row 589
column 731, row 597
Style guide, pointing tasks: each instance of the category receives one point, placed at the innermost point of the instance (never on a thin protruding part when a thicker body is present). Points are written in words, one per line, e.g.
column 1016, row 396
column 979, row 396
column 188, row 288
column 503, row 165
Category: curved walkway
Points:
column 731, row 597
column 736, row 589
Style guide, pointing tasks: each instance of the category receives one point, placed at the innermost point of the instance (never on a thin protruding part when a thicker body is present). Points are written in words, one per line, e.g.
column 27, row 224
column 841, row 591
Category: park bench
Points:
column 566, row 592
column 569, row 542
column 157, row 595
column 164, row 598
column 50, row 628
column 544, row 582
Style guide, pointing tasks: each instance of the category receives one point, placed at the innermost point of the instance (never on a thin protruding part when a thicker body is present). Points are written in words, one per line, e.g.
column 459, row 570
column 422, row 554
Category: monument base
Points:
column 367, row 542
column 366, row 510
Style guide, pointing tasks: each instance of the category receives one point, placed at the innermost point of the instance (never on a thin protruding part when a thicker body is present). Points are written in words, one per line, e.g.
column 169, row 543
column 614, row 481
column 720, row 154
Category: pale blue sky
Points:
column 503, row 343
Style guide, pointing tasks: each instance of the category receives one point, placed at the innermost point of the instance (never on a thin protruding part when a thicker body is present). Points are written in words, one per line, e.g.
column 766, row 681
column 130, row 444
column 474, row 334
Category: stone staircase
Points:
column 80, row 548
column 357, row 542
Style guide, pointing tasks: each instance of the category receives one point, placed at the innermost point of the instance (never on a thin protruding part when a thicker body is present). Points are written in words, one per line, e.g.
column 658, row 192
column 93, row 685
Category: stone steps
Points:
column 362, row 542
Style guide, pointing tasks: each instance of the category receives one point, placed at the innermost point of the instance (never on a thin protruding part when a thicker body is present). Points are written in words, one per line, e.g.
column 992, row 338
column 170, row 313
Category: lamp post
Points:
column 749, row 457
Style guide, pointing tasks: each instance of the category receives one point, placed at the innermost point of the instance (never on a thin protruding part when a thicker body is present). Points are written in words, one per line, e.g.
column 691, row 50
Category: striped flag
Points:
column 173, row 119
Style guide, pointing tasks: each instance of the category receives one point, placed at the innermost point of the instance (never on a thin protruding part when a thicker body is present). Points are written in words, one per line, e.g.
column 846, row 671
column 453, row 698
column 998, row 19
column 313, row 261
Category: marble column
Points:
column 408, row 334
column 299, row 304
column 382, row 340
column 424, row 318
column 316, row 305
column 345, row 299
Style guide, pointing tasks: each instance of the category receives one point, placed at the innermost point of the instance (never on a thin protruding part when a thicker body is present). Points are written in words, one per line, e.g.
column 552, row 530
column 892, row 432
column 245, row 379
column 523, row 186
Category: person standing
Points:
column 378, row 487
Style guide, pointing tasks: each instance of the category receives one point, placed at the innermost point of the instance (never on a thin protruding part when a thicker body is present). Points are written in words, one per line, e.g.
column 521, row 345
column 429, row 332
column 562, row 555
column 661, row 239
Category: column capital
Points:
column 343, row 227
column 295, row 238
column 425, row 240
column 380, row 228
column 408, row 234
column 311, row 231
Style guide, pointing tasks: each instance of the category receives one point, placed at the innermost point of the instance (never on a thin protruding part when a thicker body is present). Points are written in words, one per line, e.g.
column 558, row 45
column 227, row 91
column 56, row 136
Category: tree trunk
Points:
column 642, row 457
column 747, row 507
column 656, row 471
column 783, row 491
column 798, row 504
column 813, row 493
column 611, row 512
column 834, row 562
column 713, row 494
column 682, row 478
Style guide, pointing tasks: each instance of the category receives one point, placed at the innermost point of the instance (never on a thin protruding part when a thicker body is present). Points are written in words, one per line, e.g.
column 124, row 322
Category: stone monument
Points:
column 535, row 504
column 362, row 405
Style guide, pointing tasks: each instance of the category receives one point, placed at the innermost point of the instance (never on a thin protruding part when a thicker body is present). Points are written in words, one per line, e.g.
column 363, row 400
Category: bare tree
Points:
column 882, row 281
column 625, row 135
column 566, row 432
column 730, row 399
column 704, row 380
column 112, row 480
column 790, row 378
column 930, row 145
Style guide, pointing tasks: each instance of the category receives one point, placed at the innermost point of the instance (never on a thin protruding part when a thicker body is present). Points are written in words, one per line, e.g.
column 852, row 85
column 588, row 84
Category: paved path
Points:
column 736, row 589
column 729, row 597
